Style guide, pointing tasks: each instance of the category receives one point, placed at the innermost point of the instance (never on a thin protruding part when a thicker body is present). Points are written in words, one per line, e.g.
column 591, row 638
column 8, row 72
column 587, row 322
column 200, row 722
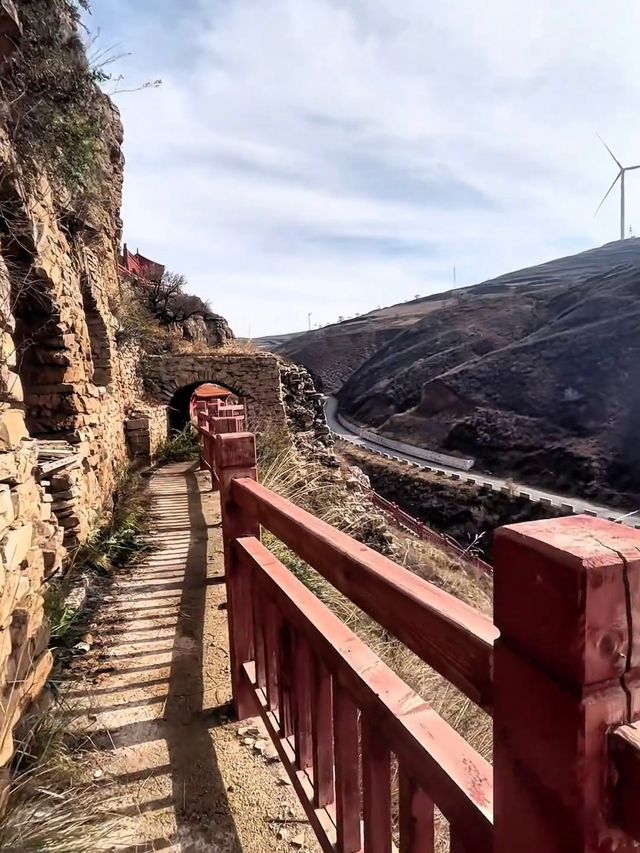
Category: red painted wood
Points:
column 302, row 704
column 376, row 788
column 452, row 637
column 562, row 595
column 439, row 760
column 416, row 816
column 347, row 781
column 625, row 755
column 235, row 456
column 258, row 604
column 221, row 425
column 285, row 676
column 456, row 843
column 271, row 654
column 322, row 727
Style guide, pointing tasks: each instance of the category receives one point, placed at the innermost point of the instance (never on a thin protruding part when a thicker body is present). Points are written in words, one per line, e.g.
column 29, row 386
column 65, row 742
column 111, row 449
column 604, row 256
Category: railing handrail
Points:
column 562, row 677
column 429, row 534
column 451, row 636
column 457, row 778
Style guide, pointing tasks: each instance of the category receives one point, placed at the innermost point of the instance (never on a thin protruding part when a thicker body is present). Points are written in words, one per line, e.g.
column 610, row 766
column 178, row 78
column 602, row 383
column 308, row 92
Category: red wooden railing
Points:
column 427, row 534
column 216, row 417
column 558, row 670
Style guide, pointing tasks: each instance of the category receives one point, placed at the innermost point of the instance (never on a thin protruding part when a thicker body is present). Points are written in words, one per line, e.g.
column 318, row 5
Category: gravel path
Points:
column 183, row 776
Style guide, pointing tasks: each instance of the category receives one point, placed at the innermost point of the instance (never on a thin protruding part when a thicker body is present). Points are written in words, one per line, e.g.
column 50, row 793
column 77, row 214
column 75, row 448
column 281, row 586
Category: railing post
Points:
column 567, row 591
column 235, row 456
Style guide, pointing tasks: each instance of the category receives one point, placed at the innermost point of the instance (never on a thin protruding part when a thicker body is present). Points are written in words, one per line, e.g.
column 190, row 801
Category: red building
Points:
column 139, row 266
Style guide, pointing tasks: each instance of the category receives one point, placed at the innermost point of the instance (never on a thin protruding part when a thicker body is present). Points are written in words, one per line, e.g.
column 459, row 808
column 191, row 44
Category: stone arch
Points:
column 253, row 378
column 179, row 404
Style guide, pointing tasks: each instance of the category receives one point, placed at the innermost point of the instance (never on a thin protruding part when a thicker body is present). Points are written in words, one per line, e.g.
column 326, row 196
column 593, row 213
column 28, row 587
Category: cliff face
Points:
column 66, row 386
column 74, row 336
column 212, row 330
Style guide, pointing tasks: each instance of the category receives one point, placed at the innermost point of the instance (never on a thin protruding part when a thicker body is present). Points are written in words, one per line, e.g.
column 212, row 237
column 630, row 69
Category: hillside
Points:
column 332, row 354
column 536, row 373
column 335, row 352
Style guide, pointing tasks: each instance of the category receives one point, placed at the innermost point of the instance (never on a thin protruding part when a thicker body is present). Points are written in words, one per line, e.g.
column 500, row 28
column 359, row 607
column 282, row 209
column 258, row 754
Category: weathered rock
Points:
column 12, row 429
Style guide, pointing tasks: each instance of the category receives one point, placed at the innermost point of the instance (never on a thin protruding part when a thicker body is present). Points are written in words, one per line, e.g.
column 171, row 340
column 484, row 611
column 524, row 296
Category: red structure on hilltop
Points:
column 139, row 266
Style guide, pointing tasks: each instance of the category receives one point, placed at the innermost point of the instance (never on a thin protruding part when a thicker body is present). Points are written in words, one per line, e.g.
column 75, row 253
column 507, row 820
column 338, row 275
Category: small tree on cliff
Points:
column 170, row 303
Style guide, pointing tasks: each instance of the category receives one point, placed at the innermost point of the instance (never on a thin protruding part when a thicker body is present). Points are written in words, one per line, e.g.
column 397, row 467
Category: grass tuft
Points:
column 181, row 446
column 53, row 805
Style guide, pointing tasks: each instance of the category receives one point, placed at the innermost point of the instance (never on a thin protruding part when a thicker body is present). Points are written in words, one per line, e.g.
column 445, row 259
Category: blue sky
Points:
column 328, row 156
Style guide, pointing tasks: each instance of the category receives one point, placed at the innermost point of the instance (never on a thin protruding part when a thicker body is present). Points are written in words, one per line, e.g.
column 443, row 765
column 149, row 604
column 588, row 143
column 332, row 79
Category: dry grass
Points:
column 54, row 805
column 240, row 346
column 308, row 486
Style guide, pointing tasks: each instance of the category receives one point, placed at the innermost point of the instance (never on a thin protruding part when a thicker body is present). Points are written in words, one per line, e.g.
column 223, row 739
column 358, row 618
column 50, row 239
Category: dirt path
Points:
column 182, row 777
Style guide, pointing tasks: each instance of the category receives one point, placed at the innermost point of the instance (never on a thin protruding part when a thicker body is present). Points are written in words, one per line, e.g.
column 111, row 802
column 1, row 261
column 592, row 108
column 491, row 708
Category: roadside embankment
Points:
column 463, row 511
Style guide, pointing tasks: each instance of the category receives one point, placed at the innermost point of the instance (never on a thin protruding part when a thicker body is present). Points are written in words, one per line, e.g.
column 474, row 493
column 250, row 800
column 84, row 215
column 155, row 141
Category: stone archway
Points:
column 179, row 406
column 255, row 378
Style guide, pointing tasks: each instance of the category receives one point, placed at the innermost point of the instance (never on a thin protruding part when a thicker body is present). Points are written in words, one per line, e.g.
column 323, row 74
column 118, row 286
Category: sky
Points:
column 326, row 157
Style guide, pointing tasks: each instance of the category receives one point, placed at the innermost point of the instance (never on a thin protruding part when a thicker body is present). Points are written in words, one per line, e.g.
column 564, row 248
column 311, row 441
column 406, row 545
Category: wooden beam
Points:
column 448, row 634
column 564, row 603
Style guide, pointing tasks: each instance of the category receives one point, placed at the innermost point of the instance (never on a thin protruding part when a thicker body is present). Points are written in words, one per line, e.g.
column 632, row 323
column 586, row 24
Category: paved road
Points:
column 570, row 504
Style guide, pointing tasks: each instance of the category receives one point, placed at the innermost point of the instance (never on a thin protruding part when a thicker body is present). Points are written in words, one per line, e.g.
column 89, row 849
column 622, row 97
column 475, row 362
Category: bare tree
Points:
column 170, row 303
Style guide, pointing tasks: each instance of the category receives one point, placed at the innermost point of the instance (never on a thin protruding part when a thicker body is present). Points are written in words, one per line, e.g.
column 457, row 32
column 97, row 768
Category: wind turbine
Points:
column 620, row 175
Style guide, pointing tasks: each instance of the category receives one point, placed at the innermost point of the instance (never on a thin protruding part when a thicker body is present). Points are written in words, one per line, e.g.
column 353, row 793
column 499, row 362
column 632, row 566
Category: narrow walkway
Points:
column 181, row 776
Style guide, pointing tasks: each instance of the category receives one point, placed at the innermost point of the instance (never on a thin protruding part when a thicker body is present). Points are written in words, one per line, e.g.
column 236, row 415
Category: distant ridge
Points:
column 535, row 372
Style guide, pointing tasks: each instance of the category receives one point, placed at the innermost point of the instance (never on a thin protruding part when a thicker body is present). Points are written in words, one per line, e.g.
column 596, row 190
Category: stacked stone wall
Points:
column 254, row 378
column 67, row 386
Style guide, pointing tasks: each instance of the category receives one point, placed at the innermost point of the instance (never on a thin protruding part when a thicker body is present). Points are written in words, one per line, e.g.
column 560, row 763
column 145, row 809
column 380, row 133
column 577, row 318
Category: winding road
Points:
column 571, row 505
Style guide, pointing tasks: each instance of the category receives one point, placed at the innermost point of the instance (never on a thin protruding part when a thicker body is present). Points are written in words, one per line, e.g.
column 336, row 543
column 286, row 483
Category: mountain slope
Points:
column 335, row 352
column 536, row 373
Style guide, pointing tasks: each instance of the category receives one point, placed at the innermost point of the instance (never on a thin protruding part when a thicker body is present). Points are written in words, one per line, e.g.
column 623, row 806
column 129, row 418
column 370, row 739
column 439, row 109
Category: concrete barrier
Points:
column 410, row 449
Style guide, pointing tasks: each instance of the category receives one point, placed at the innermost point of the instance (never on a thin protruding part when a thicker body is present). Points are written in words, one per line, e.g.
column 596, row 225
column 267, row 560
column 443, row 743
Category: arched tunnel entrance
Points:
column 180, row 409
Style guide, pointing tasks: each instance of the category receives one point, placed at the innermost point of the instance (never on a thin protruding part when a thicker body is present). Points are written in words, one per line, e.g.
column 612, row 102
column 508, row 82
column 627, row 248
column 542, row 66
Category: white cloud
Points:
column 332, row 155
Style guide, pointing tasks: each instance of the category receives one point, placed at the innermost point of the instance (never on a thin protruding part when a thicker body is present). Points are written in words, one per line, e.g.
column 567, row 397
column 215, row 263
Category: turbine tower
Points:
column 620, row 176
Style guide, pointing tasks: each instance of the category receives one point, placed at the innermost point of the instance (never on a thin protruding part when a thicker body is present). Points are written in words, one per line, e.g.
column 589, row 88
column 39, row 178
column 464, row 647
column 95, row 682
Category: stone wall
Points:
column 255, row 378
column 146, row 431
column 66, row 385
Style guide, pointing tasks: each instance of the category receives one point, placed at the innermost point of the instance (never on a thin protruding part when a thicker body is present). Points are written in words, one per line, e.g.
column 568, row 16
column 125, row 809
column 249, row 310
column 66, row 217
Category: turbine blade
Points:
column 609, row 150
column 631, row 168
column 615, row 181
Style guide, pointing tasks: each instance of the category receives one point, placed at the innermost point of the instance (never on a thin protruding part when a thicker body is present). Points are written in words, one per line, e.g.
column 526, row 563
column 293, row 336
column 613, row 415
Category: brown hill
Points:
column 537, row 374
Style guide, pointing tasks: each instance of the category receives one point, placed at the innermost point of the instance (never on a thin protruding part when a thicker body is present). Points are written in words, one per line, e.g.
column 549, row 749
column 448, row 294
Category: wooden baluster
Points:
column 302, row 704
column 285, row 667
column 235, row 456
column 376, row 789
column 258, row 603
column 346, row 743
column 271, row 654
column 417, row 830
column 322, row 726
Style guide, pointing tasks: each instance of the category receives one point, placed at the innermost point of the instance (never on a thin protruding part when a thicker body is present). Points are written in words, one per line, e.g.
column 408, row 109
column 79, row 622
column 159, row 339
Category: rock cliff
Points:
column 66, row 386
column 88, row 376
